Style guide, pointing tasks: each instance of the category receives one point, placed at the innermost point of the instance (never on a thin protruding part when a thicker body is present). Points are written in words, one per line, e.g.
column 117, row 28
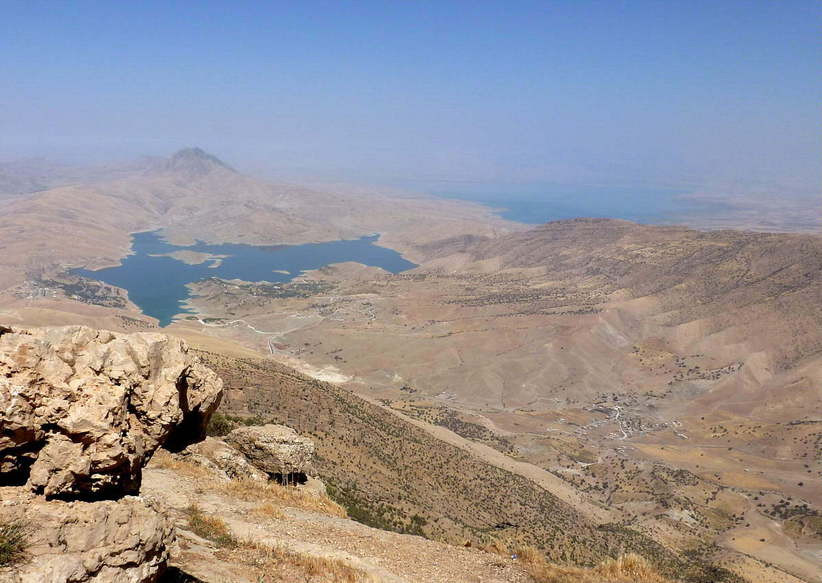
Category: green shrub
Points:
column 219, row 425
column 13, row 535
column 210, row 527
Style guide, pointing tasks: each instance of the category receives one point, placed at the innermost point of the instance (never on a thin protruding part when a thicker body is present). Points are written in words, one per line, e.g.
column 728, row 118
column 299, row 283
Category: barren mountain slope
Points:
column 391, row 474
column 572, row 310
column 671, row 374
column 244, row 531
column 23, row 177
column 730, row 278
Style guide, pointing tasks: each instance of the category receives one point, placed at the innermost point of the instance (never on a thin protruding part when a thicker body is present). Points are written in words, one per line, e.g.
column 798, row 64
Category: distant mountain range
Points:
column 192, row 195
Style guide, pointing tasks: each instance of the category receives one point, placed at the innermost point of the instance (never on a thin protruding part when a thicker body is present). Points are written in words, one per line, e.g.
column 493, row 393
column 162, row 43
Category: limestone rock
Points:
column 315, row 485
column 82, row 410
column 223, row 460
column 101, row 542
column 275, row 449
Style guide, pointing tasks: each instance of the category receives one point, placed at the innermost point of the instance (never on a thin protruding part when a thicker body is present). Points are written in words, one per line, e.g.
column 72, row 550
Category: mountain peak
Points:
column 195, row 161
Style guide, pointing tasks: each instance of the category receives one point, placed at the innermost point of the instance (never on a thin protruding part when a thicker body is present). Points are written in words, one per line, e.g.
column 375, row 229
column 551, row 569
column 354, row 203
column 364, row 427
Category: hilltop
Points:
column 194, row 162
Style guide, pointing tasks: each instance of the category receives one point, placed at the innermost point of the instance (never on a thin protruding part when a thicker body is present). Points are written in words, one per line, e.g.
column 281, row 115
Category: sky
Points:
column 653, row 93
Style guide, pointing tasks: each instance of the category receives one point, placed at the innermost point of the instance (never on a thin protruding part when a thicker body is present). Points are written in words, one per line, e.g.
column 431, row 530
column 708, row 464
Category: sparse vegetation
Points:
column 451, row 419
column 386, row 472
column 165, row 460
column 269, row 510
column 275, row 495
column 629, row 568
column 234, row 296
column 222, row 424
column 219, row 425
column 210, row 527
column 88, row 291
column 13, row 540
column 383, row 515
column 279, row 564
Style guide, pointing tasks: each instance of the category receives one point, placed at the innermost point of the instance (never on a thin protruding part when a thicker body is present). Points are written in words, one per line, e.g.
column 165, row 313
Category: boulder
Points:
column 223, row 460
column 82, row 410
column 102, row 542
column 275, row 449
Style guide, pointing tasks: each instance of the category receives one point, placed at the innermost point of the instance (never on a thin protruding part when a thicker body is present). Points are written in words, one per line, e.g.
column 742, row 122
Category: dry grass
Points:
column 269, row 510
column 165, row 460
column 13, row 535
column 277, row 563
column 630, row 568
column 496, row 547
column 271, row 494
column 277, row 495
column 210, row 527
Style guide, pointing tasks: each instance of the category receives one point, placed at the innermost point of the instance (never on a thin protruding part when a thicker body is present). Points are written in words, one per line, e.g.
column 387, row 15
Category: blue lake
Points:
column 539, row 204
column 157, row 283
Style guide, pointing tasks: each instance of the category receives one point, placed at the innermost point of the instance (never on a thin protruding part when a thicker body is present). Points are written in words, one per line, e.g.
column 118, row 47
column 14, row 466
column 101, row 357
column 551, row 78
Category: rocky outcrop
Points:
column 81, row 412
column 275, row 449
column 106, row 541
column 223, row 460
column 83, row 409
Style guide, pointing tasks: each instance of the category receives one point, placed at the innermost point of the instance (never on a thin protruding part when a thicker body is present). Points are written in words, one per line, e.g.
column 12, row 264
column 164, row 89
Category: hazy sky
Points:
column 636, row 92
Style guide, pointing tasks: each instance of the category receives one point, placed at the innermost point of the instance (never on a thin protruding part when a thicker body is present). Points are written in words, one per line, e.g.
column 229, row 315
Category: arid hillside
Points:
column 107, row 476
column 748, row 306
column 669, row 374
column 570, row 310
column 391, row 474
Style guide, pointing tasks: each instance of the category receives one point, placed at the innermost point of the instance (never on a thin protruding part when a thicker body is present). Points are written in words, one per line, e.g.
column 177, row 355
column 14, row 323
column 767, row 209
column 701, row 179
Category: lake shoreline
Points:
column 156, row 273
